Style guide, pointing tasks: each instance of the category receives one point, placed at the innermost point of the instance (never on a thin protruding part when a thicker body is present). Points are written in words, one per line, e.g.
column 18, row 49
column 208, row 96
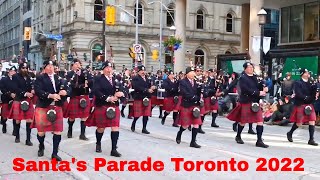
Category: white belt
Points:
column 52, row 104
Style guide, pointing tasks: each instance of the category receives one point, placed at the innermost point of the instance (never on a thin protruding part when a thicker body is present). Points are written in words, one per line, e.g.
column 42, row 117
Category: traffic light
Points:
column 131, row 53
column 111, row 15
column 27, row 33
column 63, row 57
column 85, row 56
column 155, row 54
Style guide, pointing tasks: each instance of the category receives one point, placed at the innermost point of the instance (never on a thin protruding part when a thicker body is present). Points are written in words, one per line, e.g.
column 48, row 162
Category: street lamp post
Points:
column 262, row 14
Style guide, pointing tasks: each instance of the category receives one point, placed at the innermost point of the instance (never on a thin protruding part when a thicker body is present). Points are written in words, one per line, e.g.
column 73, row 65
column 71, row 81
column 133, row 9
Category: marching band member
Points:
column 204, row 90
column 141, row 95
column 155, row 101
column 52, row 93
column 22, row 106
column 7, row 89
column 305, row 93
column 106, row 112
column 211, row 102
column 171, row 101
column 189, row 109
column 79, row 105
column 126, row 84
column 248, row 109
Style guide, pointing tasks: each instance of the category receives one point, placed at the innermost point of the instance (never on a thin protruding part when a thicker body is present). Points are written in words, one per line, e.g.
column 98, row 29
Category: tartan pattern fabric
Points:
column 17, row 113
column 203, row 110
column 75, row 111
column 186, row 118
column 35, row 99
column 155, row 101
column 168, row 104
column 130, row 111
column 298, row 115
column 208, row 106
column 65, row 108
column 41, row 122
column 99, row 119
column 140, row 110
column 5, row 111
column 243, row 113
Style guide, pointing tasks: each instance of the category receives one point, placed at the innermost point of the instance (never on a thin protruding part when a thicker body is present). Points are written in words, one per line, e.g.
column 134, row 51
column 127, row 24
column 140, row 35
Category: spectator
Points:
column 269, row 85
column 282, row 114
column 287, row 86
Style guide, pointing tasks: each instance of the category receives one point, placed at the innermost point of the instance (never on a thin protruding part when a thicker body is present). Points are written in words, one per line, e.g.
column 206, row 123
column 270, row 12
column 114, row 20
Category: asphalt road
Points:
column 218, row 144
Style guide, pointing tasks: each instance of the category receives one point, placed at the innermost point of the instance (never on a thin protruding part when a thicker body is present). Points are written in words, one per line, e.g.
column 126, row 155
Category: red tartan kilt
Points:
column 186, row 118
column 140, row 110
column 242, row 113
column 155, row 101
column 298, row 115
column 130, row 110
column 75, row 111
column 168, row 104
column 35, row 99
column 41, row 122
column 208, row 106
column 5, row 111
column 203, row 110
column 177, row 106
column 65, row 108
column 93, row 101
column 17, row 113
column 98, row 118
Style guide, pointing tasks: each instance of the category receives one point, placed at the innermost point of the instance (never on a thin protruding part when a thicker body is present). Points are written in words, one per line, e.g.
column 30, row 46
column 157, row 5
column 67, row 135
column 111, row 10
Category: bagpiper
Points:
column 22, row 106
column 79, row 105
column 157, row 81
column 189, row 112
column 305, row 93
column 248, row 109
column 7, row 89
column 171, row 100
column 106, row 112
column 141, row 95
column 52, row 93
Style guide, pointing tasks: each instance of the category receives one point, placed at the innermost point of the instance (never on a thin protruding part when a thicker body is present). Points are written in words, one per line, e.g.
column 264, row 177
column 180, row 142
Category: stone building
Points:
column 211, row 29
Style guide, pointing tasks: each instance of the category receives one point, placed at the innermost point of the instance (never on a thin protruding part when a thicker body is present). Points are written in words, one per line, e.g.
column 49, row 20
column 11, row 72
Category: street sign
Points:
column 137, row 48
column 60, row 44
column 70, row 57
column 57, row 37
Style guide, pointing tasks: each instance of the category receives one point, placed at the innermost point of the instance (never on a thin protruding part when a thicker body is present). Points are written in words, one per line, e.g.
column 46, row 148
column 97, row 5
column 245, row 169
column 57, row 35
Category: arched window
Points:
column 170, row 15
column 140, row 13
column 229, row 23
column 228, row 52
column 199, row 57
column 98, row 10
column 200, row 19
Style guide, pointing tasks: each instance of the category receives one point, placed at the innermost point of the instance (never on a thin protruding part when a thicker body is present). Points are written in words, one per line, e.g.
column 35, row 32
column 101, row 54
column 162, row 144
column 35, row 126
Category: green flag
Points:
column 293, row 64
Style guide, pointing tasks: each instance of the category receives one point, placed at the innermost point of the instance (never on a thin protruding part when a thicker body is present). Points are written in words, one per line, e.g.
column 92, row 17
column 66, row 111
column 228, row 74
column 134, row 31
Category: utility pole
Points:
column 104, row 29
column 137, row 29
column 60, row 31
column 160, row 44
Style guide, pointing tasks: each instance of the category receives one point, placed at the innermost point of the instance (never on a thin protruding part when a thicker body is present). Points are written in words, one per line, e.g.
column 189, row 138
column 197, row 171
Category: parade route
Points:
column 217, row 145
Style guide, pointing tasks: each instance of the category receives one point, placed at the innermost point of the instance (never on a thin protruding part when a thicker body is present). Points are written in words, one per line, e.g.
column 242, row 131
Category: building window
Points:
column 296, row 23
column 98, row 11
column 285, row 14
column 199, row 57
column 200, row 19
column 140, row 13
column 311, row 21
column 170, row 16
column 229, row 23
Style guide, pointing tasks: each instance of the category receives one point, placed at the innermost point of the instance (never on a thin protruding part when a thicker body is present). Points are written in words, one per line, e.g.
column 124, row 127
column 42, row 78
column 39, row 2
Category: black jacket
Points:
column 140, row 88
column 7, row 87
column 21, row 86
column 249, row 89
column 77, row 83
column 102, row 89
column 305, row 92
column 190, row 95
column 171, row 88
column 43, row 87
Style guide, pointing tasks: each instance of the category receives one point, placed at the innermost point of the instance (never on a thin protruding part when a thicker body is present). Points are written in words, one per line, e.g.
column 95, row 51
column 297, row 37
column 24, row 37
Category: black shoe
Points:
column 214, row 125
column 122, row 114
column 178, row 138
column 289, row 137
column 133, row 127
column 115, row 153
column 98, row 148
column 201, row 131
column 69, row 134
column 58, row 158
column 145, row 131
column 261, row 144
column 4, row 129
column 160, row 116
column 130, row 117
column 312, row 142
column 189, row 128
column 13, row 134
column 175, row 125
column 83, row 137
column 163, row 121
column 17, row 140
column 29, row 143
column 195, row 145
column 250, row 131
column 239, row 140
column 41, row 151
column 235, row 127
